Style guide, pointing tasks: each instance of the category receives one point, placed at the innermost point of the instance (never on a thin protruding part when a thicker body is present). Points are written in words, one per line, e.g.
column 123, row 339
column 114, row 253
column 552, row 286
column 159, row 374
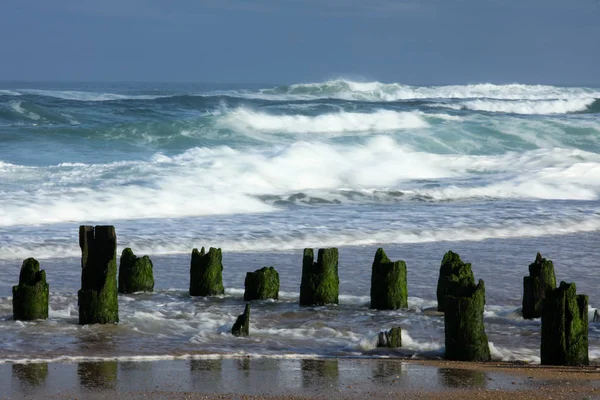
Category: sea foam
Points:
column 238, row 179
column 523, row 106
column 378, row 120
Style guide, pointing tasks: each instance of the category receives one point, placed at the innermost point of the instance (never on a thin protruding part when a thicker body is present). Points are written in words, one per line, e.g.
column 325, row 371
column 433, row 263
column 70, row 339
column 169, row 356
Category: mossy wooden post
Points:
column 541, row 279
column 135, row 273
column 320, row 282
column 30, row 296
column 565, row 327
column 388, row 283
column 242, row 323
column 391, row 338
column 452, row 270
column 261, row 284
column 463, row 323
column 206, row 273
column 98, row 302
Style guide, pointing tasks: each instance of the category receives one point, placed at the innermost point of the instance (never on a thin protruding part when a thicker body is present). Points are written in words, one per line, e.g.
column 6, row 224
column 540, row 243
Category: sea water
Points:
column 493, row 172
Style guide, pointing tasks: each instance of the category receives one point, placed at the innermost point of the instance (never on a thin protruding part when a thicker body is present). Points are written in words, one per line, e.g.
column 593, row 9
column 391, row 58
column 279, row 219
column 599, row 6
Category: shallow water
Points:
column 171, row 323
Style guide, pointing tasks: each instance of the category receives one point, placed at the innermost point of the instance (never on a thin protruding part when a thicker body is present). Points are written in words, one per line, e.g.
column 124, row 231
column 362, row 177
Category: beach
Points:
column 298, row 379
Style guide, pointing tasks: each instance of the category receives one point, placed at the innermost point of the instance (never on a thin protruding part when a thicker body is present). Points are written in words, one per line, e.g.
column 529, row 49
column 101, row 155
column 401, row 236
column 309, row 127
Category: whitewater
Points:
column 493, row 172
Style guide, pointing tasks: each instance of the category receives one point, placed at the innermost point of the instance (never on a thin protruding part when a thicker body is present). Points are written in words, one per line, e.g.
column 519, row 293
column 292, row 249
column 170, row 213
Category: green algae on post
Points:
column 452, row 270
column 206, row 273
column 242, row 323
column 565, row 327
column 388, row 283
column 135, row 273
column 30, row 296
column 541, row 279
column 464, row 330
column 320, row 282
column 97, row 299
column 262, row 284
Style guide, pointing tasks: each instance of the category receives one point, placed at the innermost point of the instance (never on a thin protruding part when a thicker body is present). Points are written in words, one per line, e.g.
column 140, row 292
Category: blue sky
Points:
column 286, row 41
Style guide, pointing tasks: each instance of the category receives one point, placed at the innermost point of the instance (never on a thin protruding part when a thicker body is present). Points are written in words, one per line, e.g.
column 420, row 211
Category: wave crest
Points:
column 378, row 91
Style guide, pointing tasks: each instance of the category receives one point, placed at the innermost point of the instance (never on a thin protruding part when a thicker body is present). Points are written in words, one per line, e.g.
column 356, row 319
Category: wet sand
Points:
column 297, row 379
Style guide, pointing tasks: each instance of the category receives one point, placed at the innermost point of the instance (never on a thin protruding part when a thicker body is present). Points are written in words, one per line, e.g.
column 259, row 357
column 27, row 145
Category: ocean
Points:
column 493, row 172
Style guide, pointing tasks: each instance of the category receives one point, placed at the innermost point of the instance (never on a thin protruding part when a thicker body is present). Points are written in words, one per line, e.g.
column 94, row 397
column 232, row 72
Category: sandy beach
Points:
column 250, row 378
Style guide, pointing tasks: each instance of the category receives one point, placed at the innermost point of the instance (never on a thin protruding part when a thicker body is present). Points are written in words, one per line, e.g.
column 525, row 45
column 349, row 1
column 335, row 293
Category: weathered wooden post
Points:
column 541, row 279
column 135, row 273
column 30, row 296
column 463, row 323
column 452, row 270
column 388, row 283
column 320, row 282
column 261, row 284
column 565, row 327
column 206, row 273
column 98, row 302
column 391, row 338
column 242, row 323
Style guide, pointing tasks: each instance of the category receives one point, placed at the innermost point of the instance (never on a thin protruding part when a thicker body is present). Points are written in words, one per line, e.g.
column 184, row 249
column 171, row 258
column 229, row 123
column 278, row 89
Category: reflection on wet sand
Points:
column 244, row 365
column 30, row 374
column 98, row 375
column 384, row 371
column 319, row 372
column 462, row 378
column 206, row 375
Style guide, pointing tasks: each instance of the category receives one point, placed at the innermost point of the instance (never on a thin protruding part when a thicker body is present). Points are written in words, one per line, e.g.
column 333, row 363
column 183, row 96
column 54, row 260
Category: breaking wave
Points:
column 378, row 91
column 162, row 186
column 379, row 120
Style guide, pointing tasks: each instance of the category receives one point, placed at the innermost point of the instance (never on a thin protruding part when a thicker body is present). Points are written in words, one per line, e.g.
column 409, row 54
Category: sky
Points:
column 289, row 41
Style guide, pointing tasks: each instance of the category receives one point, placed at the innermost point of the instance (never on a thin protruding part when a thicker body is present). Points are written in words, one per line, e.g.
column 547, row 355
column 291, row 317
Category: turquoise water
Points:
column 496, row 172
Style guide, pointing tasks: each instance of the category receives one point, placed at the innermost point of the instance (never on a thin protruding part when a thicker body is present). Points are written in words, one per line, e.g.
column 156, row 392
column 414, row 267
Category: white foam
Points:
column 430, row 346
column 518, row 354
column 243, row 119
column 208, row 181
column 17, row 106
column 523, row 106
column 146, row 358
column 5, row 92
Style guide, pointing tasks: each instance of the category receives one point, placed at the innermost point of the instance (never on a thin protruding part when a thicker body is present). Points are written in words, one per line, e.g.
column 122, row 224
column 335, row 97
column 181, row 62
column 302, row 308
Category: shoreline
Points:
column 256, row 378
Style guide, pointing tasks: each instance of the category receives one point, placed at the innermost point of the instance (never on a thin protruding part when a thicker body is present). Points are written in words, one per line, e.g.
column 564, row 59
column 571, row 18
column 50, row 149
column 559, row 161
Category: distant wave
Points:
column 377, row 91
column 524, row 106
column 27, row 111
column 344, row 90
column 83, row 96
